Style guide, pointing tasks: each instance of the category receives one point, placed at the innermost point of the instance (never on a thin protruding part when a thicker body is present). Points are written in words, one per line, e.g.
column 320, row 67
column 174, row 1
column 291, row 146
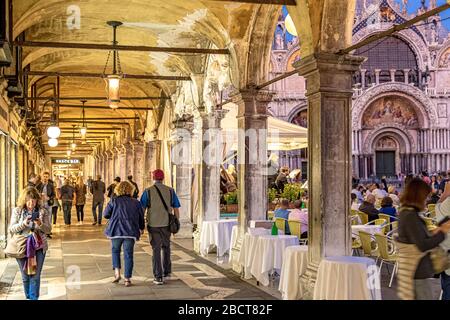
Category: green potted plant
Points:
column 272, row 196
column 232, row 202
column 292, row 192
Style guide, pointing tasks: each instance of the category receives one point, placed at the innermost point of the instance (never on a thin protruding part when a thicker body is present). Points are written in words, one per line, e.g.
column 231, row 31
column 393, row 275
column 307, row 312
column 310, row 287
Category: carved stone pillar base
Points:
column 308, row 281
column 185, row 230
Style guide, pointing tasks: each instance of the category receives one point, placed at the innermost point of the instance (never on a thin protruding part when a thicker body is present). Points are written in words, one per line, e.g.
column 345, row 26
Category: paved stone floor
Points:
column 78, row 267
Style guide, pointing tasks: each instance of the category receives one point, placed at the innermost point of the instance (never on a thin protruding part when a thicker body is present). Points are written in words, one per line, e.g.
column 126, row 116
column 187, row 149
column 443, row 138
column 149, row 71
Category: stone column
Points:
column 182, row 158
column 363, row 78
column 210, row 171
column 110, row 157
column 329, row 92
column 138, row 173
column 122, row 159
column 130, row 158
column 252, row 160
column 377, row 76
column 392, row 71
column 152, row 160
column 406, row 74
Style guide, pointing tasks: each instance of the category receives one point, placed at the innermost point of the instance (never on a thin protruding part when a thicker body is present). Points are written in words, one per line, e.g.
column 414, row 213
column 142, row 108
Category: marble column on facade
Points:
column 392, row 71
column 377, row 76
column 210, row 169
column 110, row 164
column 329, row 93
column 138, row 173
column 406, row 75
column 363, row 78
column 182, row 159
column 252, row 160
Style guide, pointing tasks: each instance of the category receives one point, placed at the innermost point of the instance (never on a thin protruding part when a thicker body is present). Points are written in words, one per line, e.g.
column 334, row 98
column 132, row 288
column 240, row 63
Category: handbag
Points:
column 17, row 246
column 174, row 223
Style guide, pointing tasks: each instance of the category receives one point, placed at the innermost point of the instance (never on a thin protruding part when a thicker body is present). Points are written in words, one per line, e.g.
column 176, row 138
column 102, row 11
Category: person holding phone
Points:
column 31, row 218
column 442, row 211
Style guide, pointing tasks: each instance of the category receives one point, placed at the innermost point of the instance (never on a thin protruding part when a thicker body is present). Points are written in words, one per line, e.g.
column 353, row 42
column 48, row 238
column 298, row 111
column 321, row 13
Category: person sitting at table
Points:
column 300, row 215
column 393, row 193
column 368, row 207
column 387, row 207
column 283, row 212
column 355, row 203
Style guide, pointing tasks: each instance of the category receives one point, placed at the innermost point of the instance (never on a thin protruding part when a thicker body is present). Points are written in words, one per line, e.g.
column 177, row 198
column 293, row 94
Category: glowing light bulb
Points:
column 53, row 132
column 52, row 142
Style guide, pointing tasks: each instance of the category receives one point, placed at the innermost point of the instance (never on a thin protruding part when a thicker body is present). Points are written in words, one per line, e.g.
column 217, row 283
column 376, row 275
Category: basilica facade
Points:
column 400, row 113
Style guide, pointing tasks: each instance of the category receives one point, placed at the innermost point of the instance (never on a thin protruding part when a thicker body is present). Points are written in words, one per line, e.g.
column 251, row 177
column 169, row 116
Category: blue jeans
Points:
column 97, row 218
column 445, row 284
column 128, row 250
column 67, row 208
column 32, row 284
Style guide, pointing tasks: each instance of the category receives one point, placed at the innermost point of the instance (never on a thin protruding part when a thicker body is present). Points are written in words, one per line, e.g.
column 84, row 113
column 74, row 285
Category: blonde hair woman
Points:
column 80, row 199
column 31, row 218
column 126, row 225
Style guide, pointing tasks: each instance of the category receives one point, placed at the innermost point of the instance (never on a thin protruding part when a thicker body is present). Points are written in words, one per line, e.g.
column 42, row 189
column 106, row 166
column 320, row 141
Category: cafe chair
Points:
column 368, row 244
column 281, row 224
column 296, row 230
column 387, row 254
column 363, row 217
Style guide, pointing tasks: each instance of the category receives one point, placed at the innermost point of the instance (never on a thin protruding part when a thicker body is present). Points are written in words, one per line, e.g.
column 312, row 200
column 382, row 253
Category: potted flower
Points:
column 232, row 202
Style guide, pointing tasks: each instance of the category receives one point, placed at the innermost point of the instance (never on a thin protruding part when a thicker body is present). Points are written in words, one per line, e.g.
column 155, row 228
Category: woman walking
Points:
column 126, row 225
column 415, row 242
column 80, row 199
column 31, row 219
column 67, row 196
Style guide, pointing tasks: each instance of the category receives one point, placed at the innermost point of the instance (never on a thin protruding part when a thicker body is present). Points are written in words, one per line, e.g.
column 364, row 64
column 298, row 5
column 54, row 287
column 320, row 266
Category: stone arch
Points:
column 400, row 133
column 410, row 37
column 299, row 108
column 423, row 105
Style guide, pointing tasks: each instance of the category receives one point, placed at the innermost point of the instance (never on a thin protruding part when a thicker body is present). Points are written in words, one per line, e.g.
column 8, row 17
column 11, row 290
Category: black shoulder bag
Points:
column 174, row 223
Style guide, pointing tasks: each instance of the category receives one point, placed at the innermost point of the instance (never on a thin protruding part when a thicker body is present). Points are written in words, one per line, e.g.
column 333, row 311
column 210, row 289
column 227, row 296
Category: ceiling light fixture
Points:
column 53, row 132
column 52, row 142
column 73, row 145
column 83, row 129
column 113, row 80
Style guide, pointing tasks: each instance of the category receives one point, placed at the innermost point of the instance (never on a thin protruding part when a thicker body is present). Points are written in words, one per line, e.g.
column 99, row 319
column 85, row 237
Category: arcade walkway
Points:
column 85, row 248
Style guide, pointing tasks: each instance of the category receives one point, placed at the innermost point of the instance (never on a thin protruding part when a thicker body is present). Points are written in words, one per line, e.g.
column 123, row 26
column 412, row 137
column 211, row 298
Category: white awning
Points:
column 282, row 135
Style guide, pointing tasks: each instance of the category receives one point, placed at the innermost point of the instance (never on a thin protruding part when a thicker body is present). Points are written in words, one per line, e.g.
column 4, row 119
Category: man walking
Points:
column 98, row 198
column 160, row 200
column 47, row 190
column 136, row 189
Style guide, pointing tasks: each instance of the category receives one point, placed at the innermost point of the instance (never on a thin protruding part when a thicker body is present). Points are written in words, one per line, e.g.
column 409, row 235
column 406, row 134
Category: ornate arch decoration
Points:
column 400, row 132
column 416, row 43
column 442, row 58
column 423, row 105
column 299, row 108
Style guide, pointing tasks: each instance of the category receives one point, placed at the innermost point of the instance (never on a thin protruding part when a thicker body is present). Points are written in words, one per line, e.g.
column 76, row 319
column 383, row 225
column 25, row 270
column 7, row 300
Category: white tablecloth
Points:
column 216, row 233
column 294, row 266
column 372, row 229
column 347, row 278
column 248, row 248
column 268, row 255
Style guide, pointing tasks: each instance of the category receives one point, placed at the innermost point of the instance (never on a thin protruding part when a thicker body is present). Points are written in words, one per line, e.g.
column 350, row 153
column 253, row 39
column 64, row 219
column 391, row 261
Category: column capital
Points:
column 327, row 72
column 211, row 120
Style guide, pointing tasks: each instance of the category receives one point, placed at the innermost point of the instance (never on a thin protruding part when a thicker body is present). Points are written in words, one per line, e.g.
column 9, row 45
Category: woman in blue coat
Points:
column 126, row 224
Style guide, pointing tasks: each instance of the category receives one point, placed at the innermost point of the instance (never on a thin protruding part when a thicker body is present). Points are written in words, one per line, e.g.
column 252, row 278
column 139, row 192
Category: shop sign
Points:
column 67, row 161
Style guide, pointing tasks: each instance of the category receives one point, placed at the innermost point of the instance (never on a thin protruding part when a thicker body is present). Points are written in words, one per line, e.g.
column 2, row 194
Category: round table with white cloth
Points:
column 268, row 255
column 294, row 266
column 347, row 278
column 248, row 248
column 216, row 234
column 372, row 229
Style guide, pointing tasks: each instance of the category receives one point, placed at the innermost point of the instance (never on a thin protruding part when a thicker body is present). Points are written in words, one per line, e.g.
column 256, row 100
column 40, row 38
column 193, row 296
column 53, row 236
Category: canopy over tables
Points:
column 282, row 135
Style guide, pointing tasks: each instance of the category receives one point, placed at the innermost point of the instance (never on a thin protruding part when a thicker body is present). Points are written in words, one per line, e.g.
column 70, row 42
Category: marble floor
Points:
column 78, row 267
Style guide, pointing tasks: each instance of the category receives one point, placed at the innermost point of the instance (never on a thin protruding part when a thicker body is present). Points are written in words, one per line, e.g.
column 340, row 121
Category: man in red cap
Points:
column 160, row 200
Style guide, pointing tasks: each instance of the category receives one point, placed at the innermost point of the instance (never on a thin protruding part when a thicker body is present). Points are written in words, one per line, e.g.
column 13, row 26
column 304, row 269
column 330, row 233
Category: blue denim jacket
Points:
column 126, row 218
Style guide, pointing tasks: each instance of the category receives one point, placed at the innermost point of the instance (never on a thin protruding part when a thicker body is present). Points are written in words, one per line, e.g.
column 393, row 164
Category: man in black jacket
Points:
column 136, row 189
column 368, row 207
